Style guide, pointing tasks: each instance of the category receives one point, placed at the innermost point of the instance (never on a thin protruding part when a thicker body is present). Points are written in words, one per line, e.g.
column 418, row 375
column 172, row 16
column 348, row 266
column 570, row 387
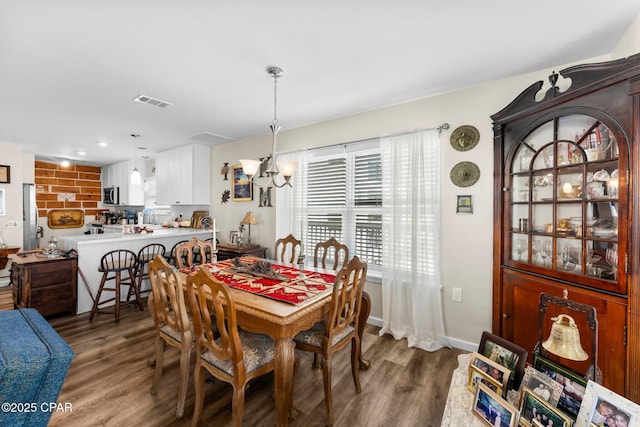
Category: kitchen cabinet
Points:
column 119, row 175
column 567, row 168
column 48, row 285
column 182, row 176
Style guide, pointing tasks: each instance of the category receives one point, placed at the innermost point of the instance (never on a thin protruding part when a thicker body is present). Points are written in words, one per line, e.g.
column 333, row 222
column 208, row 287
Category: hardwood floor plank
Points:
column 109, row 382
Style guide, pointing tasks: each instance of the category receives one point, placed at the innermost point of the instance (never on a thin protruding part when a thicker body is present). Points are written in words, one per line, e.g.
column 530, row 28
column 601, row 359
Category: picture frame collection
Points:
column 546, row 393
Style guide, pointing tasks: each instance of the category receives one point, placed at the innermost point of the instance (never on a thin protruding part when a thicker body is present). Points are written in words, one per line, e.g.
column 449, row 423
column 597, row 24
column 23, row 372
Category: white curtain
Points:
column 411, row 286
column 291, row 203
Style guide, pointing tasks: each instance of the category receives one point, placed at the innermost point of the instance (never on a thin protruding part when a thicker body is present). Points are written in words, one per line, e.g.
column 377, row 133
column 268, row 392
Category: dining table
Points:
column 280, row 308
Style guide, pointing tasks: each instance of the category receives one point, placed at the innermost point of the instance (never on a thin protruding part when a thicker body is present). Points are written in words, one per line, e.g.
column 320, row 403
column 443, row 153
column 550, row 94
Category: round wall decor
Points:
column 464, row 138
column 465, row 174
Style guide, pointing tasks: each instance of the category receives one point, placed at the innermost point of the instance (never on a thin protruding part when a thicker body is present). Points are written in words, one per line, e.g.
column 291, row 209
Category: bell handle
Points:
column 561, row 317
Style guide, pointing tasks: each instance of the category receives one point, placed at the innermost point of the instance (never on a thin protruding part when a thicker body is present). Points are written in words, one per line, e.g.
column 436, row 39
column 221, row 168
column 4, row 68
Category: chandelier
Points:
column 286, row 169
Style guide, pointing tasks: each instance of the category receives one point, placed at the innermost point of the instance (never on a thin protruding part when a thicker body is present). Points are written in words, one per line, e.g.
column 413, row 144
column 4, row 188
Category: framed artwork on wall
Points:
column 241, row 187
column 5, row 174
column 464, row 205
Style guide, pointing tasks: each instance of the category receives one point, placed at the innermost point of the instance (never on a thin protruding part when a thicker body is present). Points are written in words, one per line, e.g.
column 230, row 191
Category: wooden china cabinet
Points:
column 567, row 204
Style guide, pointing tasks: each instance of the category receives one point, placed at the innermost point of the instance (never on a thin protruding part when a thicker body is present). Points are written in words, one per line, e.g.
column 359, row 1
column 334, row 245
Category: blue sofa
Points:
column 34, row 361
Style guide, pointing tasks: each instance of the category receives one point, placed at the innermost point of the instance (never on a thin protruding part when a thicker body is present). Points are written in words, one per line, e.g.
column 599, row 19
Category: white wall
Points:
column 12, row 156
column 466, row 239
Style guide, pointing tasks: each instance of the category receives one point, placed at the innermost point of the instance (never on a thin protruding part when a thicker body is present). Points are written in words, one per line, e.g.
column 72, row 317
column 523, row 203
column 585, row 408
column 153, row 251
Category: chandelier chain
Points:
column 275, row 99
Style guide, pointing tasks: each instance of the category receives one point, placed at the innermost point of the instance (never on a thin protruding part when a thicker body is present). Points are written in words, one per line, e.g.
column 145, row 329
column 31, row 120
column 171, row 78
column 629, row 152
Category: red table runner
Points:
column 294, row 290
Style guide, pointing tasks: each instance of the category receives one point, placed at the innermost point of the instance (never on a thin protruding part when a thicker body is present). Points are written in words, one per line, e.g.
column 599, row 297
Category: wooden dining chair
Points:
column 168, row 310
column 339, row 328
column 237, row 356
column 333, row 250
column 193, row 252
column 172, row 254
column 288, row 245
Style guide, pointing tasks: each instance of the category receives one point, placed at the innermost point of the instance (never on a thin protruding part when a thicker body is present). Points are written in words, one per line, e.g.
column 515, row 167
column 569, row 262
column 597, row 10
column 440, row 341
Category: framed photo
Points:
column 492, row 409
column 476, row 375
column 601, row 406
column 233, row 237
column 464, row 205
column 5, row 174
column 241, row 187
column 2, row 204
column 533, row 407
column 573, row 384
column 542, row 385
column 506, row 353
column 492, row 370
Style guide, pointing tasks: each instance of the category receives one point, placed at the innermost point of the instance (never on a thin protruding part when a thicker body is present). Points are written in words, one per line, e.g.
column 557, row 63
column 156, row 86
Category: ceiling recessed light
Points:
column 102, row 144
column 65, row 163
column 82, row 153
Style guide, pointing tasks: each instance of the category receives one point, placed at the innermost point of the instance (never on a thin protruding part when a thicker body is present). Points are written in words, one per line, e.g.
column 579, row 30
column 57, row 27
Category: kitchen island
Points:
column 91, row 248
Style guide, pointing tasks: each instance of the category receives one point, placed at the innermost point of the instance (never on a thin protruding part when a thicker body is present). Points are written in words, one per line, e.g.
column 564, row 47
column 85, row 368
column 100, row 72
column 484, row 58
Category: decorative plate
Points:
column 465, row 174
column 464, row 138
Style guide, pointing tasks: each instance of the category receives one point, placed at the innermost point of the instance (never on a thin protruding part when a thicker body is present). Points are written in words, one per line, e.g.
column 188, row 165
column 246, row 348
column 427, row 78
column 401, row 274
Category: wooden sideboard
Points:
column 233, row 251
column 48, row 285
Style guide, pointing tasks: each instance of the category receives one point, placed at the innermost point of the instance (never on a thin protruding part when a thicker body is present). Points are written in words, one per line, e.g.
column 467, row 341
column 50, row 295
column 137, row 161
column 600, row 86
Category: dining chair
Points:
column 332, row 249
column 236, row 356
column 169, row 313
column 288, row 245
column 172, row 255
column 339, row 328
column 193, row 252
column 340, row 254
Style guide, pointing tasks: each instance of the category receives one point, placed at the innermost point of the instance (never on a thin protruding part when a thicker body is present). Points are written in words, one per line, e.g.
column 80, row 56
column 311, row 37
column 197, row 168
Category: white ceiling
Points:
column 69, row 69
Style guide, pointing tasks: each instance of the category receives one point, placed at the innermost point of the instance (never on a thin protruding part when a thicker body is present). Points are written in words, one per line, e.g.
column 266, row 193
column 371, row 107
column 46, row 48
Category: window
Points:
column 344, row 200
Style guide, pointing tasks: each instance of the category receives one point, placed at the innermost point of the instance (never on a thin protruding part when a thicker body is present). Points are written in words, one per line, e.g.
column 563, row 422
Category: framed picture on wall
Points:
column 5, row 174
column 464, row 205
column 241, row 187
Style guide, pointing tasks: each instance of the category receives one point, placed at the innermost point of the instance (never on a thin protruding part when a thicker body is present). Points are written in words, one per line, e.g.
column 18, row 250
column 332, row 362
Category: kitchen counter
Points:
column 91, row 248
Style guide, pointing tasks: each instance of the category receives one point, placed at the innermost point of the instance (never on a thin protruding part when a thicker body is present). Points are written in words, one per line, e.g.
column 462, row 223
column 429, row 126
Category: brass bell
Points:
column 564, row 340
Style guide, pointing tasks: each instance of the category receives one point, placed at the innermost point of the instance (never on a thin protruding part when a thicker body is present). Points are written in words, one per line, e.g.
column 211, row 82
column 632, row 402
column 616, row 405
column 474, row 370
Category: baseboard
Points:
column 455, row 342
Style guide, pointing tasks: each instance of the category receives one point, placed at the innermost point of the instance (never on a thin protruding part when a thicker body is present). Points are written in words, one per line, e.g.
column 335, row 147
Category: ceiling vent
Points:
column 144, row 99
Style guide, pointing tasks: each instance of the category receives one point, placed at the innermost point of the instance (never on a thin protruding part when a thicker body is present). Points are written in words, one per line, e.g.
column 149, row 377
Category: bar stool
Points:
column 112, row 265
column 173, row 255
column 145, row 255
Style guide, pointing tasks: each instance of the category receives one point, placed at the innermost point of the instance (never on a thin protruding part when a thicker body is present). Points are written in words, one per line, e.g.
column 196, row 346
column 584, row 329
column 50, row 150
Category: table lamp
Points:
column 249, row 219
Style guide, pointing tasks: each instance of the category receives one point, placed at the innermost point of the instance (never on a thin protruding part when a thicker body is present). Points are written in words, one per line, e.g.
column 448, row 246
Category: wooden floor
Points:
column 109, row 381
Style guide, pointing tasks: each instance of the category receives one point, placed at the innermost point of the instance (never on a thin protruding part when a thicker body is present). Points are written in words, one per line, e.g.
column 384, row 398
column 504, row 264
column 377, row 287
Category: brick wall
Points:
column 72, row 187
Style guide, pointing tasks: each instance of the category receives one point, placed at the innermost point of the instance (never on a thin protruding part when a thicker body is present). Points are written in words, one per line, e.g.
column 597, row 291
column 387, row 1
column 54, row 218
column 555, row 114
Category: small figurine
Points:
column 224, row 171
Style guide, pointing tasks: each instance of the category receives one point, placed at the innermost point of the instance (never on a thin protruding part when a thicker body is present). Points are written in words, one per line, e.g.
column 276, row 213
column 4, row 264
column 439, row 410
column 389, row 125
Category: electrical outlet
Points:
column 456, row 294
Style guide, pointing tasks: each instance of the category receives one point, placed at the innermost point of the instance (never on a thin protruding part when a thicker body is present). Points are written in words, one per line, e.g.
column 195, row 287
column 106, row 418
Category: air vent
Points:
column 144, row 99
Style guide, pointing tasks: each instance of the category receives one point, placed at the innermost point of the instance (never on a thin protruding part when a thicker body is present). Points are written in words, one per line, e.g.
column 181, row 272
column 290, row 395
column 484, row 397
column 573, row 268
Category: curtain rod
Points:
column 440, row 128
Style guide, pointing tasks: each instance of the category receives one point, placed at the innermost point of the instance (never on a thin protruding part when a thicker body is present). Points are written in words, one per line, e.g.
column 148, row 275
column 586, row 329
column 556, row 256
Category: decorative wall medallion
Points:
column 465, row 174
column 464, row 138
column 226, row 194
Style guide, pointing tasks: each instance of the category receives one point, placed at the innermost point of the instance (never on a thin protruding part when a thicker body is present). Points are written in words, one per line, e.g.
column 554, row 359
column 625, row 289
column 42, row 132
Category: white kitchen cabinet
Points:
column 182, row 176
column 119, row 175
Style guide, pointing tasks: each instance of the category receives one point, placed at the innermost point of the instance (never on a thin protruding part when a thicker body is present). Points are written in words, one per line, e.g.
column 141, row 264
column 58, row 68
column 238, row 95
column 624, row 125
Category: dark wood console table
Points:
column 232, row 251
column 47, row 284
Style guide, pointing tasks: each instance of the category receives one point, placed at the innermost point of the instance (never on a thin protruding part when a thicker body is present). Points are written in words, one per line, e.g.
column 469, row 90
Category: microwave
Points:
column 111, row 196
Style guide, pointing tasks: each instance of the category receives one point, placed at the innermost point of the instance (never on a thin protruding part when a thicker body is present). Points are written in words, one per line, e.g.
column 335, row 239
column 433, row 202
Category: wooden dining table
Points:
column 282, row 321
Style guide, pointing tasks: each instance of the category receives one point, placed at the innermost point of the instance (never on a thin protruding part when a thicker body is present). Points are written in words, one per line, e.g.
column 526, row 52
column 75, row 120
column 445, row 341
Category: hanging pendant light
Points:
column 136, row 178
column 286, row 169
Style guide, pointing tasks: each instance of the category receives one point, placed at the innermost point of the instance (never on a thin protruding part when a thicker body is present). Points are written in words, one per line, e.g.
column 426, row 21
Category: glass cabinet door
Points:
column 564, row 185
